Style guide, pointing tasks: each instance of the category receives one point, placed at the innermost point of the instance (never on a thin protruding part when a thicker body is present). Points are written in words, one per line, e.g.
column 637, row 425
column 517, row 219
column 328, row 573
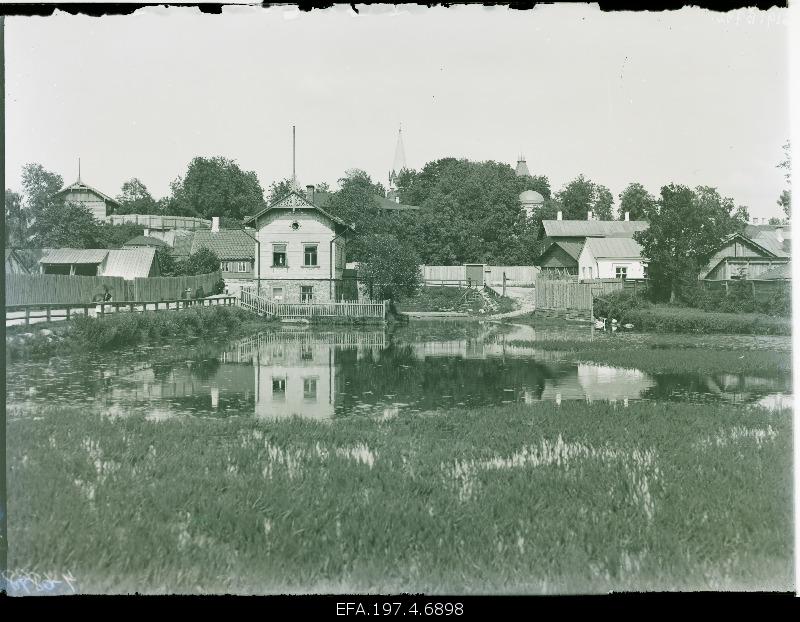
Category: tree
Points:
column 389, row 269
column 785, row 200
column 581, row 196
column 135, row 199
column 635, row 200
column 686, row 229
column 167, row 263
column 114, row 236
column 67, row 225
column 742, row 214
column 16, row 223
column 39, row 187
column 203, row 261
column 355, row 203
column 279, row 189
column 216, row 187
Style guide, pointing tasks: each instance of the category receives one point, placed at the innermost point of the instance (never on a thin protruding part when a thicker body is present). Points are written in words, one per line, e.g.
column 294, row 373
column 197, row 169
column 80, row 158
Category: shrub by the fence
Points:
column 741, row 296
column 667, row 319
column 619, row 304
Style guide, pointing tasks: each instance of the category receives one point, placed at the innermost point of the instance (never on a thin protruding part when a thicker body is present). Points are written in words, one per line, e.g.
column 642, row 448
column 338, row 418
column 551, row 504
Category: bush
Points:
column 619, row 304
column 663, row 318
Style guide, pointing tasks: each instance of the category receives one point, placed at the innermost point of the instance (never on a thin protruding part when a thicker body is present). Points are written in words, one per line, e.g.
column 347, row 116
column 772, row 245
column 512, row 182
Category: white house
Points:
column 300, row 254
column 611, row 258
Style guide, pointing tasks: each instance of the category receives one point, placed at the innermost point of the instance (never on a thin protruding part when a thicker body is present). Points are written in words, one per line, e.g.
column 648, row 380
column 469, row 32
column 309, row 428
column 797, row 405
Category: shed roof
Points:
column 784, row 271
column 613, row 247
column 146, row 240
column 74, row 255
column 130, row 263
column 228, row 244
column 573, row 249
column 592, row 228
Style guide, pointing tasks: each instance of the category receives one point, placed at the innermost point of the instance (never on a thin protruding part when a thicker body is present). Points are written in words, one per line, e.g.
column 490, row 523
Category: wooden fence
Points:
column 265, row 306
column 569, row 295
column 156, row 221
column 492, row 275
column 761, row 290
column 28, row 289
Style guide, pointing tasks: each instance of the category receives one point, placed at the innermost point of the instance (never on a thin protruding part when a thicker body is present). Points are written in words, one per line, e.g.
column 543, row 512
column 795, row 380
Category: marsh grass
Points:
column 668, row 358
column 576, row 498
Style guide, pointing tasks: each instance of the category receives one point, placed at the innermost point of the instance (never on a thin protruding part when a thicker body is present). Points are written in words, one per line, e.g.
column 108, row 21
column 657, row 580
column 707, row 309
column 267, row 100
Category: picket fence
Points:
column 28, row 289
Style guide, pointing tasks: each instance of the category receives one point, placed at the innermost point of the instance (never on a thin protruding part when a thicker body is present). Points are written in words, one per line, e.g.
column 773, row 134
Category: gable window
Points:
column 310, row 254
column 621, row 272
column 279, row 255
column 306, row 293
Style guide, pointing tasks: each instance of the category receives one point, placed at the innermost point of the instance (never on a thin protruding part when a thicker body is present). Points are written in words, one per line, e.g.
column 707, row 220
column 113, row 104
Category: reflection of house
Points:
column 302, row 250
column 236, row 251
column 129, row 263
column 611, row 258
column 567, row 238
column 83, row 195
column 598, row 382
column 14, row 263
column 750, row 254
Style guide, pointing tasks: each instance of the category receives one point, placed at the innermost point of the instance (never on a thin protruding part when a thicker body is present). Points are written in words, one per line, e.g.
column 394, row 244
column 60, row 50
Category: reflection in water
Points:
column 322, row 375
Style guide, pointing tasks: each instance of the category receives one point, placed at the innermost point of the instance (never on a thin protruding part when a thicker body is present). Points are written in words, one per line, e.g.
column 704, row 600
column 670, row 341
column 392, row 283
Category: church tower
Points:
column 398, row 165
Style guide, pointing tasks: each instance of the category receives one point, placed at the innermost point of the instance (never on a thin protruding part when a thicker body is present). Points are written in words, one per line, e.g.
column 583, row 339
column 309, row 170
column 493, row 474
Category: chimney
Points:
column 779, row 235
column 310, row 193
column 627, row 216
column 215, row 224
column 558, row 216
column 146, row 232
column 589, row 215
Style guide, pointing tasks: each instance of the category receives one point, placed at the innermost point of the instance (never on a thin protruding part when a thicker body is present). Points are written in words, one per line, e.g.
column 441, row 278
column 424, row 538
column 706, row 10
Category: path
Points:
column 525, row 298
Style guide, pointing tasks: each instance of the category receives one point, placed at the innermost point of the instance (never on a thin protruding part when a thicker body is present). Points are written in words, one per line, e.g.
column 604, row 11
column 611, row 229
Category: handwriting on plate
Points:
column 24, row 582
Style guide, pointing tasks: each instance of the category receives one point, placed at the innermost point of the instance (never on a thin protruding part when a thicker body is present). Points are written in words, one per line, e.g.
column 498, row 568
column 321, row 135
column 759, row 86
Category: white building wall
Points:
column 590, row 267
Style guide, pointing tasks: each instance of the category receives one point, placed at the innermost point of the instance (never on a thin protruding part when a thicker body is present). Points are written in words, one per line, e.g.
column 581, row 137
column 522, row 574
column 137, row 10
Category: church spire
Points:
column 522, row 167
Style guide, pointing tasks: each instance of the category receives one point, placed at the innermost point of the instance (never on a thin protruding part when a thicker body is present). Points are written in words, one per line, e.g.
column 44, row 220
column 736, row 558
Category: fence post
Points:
column 27, row 316
column 48, row 311
column 67, row 313
column 504, row 282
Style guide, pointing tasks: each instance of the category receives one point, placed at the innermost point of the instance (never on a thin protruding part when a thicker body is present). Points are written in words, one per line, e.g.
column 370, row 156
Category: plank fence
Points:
column 569, row 295
column 761, row 290
column 455, row 276
column 29, row 289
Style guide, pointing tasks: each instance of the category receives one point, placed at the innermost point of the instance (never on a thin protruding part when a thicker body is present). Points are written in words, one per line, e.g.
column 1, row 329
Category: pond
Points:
column 325, row 374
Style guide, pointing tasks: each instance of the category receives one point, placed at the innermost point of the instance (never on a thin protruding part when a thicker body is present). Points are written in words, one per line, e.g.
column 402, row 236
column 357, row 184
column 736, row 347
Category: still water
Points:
column 336, row 373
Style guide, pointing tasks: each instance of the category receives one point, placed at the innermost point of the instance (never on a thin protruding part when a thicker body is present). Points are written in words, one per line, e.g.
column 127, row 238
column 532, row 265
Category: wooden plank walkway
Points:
column 263, row 306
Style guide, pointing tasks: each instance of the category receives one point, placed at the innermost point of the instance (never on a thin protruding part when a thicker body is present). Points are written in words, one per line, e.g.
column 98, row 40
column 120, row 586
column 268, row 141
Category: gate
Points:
column 474, row 273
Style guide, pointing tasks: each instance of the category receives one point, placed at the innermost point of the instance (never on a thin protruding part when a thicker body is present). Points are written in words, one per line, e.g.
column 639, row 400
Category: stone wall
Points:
column 324, row 289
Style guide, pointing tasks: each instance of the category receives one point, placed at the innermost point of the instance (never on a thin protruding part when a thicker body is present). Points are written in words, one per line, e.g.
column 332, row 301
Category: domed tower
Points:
column 530, row 201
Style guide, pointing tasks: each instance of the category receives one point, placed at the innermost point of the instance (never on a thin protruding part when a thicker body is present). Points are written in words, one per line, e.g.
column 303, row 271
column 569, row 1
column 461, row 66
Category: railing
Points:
column 264, row 306
column 58, row 311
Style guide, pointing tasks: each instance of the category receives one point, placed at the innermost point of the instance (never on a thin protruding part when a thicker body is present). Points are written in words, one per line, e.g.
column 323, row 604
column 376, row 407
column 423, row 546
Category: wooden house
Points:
column 611, row 258
column 748, row 255
column 236, row 250
column 301, row 250
column 83, row 195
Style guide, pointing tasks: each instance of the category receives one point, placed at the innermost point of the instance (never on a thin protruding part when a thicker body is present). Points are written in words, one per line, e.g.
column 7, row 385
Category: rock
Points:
column 45, row 332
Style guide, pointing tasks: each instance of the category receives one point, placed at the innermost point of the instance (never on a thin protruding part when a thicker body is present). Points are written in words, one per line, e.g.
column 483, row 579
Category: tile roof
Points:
column 613, row 247
column 130, row 263
column 592, row 228
column 145, row 240
column 783, row 271
column 228, row 244
column 74, row 255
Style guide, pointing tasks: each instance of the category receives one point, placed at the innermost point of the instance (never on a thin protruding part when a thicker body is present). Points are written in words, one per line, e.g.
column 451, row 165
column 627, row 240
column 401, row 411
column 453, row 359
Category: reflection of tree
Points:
column 398, row 372
column 204, row 369
column 161, row 371
column 714, row 387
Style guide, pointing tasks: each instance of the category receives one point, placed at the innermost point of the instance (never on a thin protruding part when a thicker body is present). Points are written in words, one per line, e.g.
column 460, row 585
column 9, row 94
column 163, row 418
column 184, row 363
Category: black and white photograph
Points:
column 384, row 299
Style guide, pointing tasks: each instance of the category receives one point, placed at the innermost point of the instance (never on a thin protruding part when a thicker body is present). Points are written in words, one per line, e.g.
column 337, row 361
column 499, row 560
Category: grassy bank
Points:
column 469, row 301
column 87, row 334
column 669, row 358
column 576, row 498
column 670, row 319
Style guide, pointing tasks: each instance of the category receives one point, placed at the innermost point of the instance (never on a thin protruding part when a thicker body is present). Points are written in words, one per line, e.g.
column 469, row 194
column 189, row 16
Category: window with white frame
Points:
column 621, row 272
column 241, row 266
column 309, row 389
column 277, row 294
column 309, row 255
column 306, row 293
column 279, row 255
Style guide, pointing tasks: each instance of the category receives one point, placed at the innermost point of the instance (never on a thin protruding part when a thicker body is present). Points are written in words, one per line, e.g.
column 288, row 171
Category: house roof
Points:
column 784, row 271
column 182, row 243
column 613, row 247
column 295, row 200
column 228, row 244
column 767, row 237
column 130, row 263
column 592, row 228
column 74, row 255
column 573, row 249
column 765, row 245
column 389, row 204
column 145, row 240
column 79, row 185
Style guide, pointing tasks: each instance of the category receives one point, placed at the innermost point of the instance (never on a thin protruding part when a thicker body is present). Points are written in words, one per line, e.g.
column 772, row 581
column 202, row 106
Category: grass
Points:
column 666, row 318
column 126, row 329
column 655, row 357
column 446, row 299
column 576, row 498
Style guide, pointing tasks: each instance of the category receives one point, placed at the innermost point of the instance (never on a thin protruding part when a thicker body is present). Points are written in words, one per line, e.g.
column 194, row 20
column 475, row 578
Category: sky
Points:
column 691, row 96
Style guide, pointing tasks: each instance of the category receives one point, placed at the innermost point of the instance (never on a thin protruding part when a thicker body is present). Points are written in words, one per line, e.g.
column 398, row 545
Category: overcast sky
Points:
column 691, row 97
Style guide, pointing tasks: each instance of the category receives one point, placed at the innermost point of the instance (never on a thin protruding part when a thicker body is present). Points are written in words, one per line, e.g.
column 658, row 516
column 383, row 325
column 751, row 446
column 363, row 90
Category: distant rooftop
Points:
column 593, row 228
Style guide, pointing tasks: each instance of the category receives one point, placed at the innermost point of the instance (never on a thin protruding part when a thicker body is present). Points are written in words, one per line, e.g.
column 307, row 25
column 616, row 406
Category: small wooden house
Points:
column 749, row 254
column 611, row 258
column 83, row 195
column 236, row 250
column 128, row 263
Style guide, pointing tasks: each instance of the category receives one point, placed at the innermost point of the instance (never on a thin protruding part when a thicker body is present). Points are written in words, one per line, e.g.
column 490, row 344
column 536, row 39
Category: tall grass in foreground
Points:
column 576, row 498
